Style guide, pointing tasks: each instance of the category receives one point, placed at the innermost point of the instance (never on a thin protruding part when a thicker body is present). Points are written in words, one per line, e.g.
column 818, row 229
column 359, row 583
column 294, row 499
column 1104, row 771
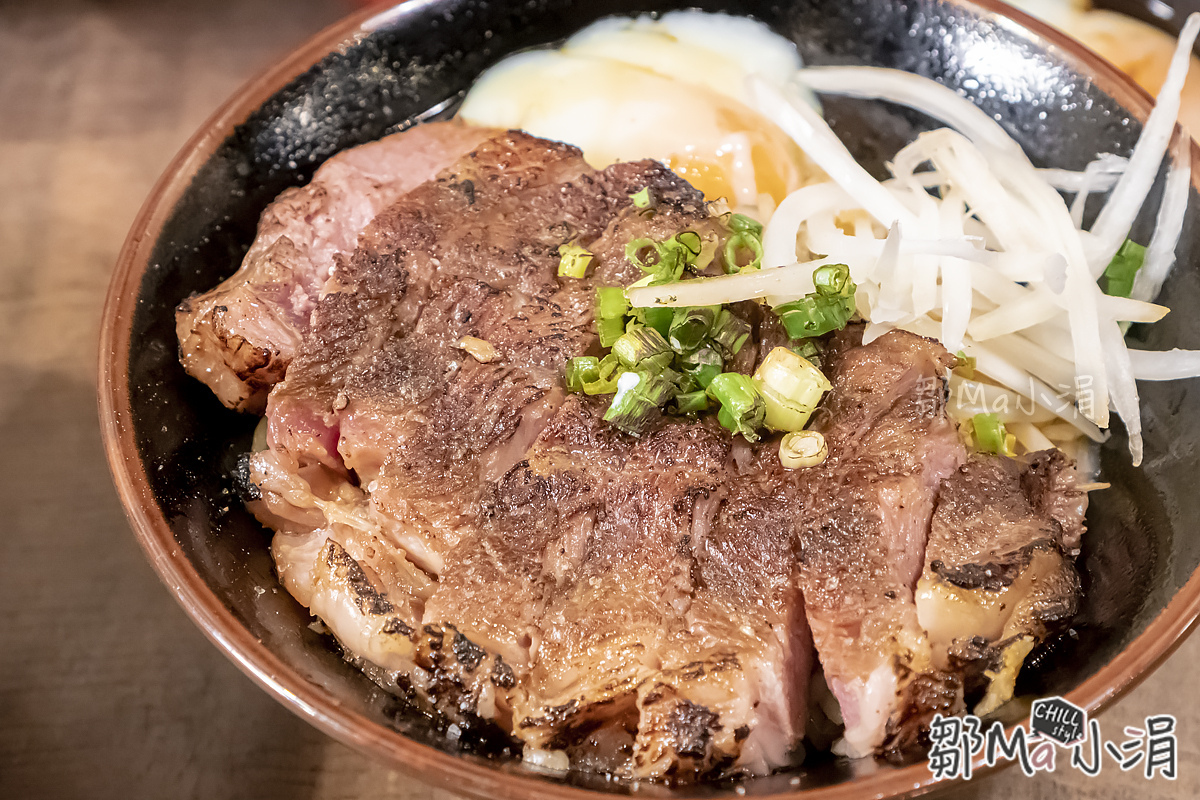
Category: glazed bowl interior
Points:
column 175, row 450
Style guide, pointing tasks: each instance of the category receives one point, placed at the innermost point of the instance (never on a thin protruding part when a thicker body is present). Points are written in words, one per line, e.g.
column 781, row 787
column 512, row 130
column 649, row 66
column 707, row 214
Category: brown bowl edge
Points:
column 1128, row 668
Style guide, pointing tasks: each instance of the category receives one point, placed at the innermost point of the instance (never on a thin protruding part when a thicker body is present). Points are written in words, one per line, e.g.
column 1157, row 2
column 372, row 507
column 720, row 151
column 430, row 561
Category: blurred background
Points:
column 106, row 688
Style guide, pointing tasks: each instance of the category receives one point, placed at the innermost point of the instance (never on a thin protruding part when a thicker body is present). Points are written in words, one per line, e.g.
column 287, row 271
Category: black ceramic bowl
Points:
column 173, row 448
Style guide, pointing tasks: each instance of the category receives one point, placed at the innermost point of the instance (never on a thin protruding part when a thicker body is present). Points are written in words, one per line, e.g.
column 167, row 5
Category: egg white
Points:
column 668, row 88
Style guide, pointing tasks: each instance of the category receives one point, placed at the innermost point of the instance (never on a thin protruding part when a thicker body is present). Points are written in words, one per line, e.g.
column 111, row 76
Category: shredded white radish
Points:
column 1100, row 175
column 791, row 280
column 968, row 398
column 820, row 143
column 1012, row 317
column 779, row 235
column 982, row 251
column 1126, row 309
column 1128, row 196
column 1123, row 388
column 1160, row 253
column 1029, row 436
column 896, row 86
column 1164, row 365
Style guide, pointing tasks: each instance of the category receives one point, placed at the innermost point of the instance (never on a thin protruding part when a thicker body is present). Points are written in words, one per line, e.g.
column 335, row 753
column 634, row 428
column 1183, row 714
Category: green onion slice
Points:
column 639, row 344
column 742, row 408
column 802, row 449
column 832, row 279
column 702, row 364
column 657, row 318
column 639, row 396
column 827, row 309
column 735, row 244
column 582, row 370
column 611, row 302
column 610, row 330
column 991, row 436
column 691, row 402
column 689, row 326
column 964, row 365
column 1123, row 268
column 808, row 349
column 729, row 333
column 691, row 243
column 791, row 388
column 573, row 260
column 641, row 199
column 740, row 223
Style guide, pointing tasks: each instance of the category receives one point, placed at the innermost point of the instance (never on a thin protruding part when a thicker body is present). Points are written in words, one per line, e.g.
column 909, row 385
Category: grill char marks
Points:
column 998, row 576
column 239, row 337
column 380, row 395
column 862, row 539
column 487, row 543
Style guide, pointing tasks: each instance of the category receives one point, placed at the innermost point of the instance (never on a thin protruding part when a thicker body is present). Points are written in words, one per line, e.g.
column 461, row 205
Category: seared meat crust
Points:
column 486, row 544
column 239, row 337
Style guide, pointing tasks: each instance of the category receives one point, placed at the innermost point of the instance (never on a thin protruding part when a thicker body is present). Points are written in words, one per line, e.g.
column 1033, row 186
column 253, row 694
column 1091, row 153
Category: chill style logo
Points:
column 1058, row 720
column 958, row 743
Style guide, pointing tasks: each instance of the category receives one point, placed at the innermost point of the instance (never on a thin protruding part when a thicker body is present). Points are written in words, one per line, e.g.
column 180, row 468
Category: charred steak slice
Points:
column 239, row 337
column 862, row 539
column 998, row 576
column 489, row 545
column 381, row 394
column 672, row 644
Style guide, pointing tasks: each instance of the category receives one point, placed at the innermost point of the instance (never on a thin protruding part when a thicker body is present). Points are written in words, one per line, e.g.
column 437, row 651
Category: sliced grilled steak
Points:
column 239, row 337
column 862, row 540
column 489, row 545
column 381, row 394
column 998, row 576
column 664, row 629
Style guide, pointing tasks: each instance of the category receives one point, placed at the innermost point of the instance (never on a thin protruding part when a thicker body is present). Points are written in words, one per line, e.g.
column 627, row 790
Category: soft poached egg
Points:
column 668, row 88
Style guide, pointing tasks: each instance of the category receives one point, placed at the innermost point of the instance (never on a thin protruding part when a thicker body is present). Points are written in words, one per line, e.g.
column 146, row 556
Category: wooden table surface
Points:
column 106, row 688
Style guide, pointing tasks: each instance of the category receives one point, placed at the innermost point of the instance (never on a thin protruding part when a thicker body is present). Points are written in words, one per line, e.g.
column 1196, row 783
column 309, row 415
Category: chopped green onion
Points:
column 691, row 243
column 990, row 434
column 791, row 388
column 1124, row 266
column 638, row 397
column 689, row 326
column 641, row 199
column 573, row 260
column 641, row 343
column 611, row 302
column 671, row 258
column 634, row 249
column 702, row 364
column 582, row 370
column 808, row 349
column 691, row 402
column 606, row 383
column 827, row 309
column 747, row 235
column 736, row 243
column 708, row 251
column 610, row 330
column 740, row 223
column 965, row 365
column 729, row 332
column 657, row 318
column 742, row 407
column 832, row 279
column 801, row 449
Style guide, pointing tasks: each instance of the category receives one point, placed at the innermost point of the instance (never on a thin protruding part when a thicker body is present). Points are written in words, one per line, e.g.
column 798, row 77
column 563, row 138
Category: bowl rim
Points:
column 1129, row 667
